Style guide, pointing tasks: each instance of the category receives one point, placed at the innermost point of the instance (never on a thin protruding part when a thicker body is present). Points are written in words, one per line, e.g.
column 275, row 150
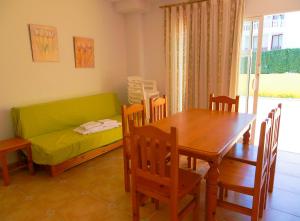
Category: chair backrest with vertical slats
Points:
column 223, row 103
column 135, row 112
column 275, row 129
column 150, row 148
column 158, row 108
column 263, row 153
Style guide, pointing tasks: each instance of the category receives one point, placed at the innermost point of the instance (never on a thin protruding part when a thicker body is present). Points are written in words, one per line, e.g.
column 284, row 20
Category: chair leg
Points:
column 174, row 210
column 156, row 203
column 272, row 176
column 143, row 199
column 262, row 199
column 221, row 193
column 135, row 206
column 266, row 193
column 126, row 174
column 194, row 163
column 189, row 162
column 226, row 192
column 196, row 211
column 255, row 208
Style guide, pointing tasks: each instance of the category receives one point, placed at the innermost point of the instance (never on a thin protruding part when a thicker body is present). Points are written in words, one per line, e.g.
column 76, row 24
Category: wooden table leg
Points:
column 5, row 174
column 29, row 160
column 246, row 137
column 212, row 191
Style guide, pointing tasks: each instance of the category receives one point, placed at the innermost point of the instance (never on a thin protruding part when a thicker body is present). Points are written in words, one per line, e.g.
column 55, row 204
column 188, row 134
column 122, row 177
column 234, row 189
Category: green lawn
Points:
column 275, row 85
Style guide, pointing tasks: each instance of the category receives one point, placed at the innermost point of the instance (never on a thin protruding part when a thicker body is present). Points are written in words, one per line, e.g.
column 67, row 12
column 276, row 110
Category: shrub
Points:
column 276, row 61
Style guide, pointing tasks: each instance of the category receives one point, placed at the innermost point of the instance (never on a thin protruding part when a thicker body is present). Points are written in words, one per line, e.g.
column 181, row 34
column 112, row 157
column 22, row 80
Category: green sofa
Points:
column 49, row 127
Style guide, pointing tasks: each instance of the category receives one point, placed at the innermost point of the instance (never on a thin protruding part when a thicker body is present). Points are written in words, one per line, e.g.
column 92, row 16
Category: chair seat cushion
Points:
column 56, row 147
column 246, row 153
column 237, row 176
column 187, row 181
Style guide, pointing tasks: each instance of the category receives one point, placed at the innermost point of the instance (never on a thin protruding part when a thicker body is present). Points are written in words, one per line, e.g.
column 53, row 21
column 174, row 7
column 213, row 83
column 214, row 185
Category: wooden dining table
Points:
column 208, row 135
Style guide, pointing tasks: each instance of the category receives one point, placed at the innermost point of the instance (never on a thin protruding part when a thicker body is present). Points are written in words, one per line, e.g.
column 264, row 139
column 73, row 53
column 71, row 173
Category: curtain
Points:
column 202, row 42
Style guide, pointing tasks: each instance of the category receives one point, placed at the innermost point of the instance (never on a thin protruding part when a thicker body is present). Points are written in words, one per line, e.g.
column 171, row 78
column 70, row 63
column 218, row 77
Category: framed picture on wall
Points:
column 84, row 52
column 44, row 43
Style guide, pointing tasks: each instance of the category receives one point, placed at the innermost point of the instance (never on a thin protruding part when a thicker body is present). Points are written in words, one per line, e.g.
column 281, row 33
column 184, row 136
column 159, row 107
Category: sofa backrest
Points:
column 38, row 119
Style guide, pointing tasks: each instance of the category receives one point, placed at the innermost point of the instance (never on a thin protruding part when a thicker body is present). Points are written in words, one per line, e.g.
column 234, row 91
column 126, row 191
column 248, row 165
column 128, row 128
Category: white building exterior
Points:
column 280, row 32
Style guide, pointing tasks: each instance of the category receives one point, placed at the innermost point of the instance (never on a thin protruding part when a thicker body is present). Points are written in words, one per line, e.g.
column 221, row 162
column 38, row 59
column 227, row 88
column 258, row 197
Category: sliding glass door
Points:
column 250, row 60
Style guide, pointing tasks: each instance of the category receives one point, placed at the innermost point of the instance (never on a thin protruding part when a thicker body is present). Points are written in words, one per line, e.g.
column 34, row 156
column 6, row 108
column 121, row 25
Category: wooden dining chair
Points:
column 158, row 108
column 247, row 153
column 158, row 111
column 274, row 149
column 137, row 113
column 224, row 103
column 248, row 179
column 155, row 177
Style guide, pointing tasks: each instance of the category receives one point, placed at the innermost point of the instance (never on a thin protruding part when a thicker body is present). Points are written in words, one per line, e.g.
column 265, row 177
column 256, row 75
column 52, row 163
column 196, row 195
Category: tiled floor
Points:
column 94, row 191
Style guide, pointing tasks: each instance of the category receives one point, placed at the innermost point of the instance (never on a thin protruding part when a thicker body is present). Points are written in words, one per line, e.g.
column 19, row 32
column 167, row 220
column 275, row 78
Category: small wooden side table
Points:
column 10, row 145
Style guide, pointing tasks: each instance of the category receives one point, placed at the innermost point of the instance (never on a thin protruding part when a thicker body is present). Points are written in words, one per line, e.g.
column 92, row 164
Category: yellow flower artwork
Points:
column 84, row 52
column 44, row 43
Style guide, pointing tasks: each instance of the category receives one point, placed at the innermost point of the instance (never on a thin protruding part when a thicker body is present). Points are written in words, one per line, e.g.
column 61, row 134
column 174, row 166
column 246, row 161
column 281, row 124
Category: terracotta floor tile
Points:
column 288, row 168
column 275, row 215
column 285, row 201
column 287, row 183
column 85, row 208
column 94, row 190
column 289, row 157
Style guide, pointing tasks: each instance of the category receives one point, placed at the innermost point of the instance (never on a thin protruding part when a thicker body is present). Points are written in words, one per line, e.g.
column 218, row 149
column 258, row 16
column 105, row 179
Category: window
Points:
column 255, row 25
column 276, row 42
column 246, row 43
column 246, row 27
column 277, row 20
column 255, row 42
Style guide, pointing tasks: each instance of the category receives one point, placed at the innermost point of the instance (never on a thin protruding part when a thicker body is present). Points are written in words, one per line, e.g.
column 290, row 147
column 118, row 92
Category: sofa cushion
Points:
column 56, row 147
column 35, row 120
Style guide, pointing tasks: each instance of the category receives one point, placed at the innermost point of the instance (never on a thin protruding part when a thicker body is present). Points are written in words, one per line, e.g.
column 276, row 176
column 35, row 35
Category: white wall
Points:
column 135, row 43
column 24, row 82
column 265, row 7
column 154, row 44
column 291, row 35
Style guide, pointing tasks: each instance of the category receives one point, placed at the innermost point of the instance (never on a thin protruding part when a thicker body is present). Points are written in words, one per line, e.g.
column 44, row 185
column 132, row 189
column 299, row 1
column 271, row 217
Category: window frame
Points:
column 279, row 43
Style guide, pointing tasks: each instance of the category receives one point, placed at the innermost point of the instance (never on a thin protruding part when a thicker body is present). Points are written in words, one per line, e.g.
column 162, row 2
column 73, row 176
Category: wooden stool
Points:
column 10, row 145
